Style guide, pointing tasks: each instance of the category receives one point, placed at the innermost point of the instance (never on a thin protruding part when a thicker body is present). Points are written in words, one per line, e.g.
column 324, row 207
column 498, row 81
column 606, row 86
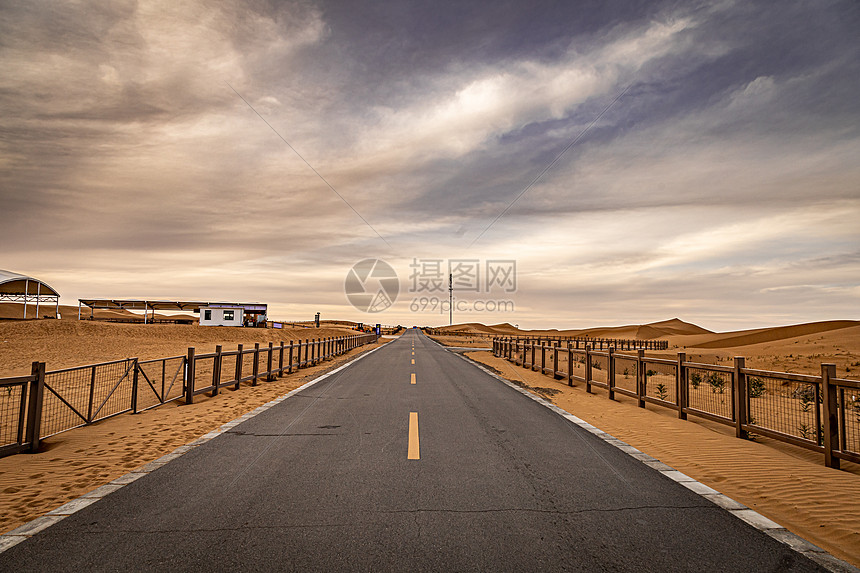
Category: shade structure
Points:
column 16, row 287
column 150, row 306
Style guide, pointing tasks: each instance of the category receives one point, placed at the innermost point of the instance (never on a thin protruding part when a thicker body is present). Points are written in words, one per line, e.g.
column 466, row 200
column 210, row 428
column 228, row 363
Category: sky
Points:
column 572, row 164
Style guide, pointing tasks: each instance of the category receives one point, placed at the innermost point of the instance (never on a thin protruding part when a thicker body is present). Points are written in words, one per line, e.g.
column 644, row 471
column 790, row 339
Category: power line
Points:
column 548, row 167
column 342, row 198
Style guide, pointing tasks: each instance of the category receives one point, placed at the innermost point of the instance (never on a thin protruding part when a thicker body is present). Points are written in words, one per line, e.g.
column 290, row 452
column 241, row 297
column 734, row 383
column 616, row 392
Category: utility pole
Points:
column 450, row 299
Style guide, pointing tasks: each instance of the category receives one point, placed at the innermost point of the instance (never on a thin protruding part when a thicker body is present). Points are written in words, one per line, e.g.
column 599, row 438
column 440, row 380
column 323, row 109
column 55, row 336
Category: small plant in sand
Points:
column 595, row 365
column 662, row 391
column 756, row 387
column 805, row 431
column 805, row 402
column 649, row 374
column 695, row 380
column 626, row 373
column 716, row 382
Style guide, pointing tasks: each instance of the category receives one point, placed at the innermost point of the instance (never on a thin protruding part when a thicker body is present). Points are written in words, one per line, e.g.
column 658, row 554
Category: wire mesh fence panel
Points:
column 849, row 401
column 710, row 391
column 159, row 381
column 660, row 382
column 113, row 389
column 600, row 369
column 562, row 362
column 786, row 406
column 228, row 368
column 203, row 368
column 75, row 396
column 248, row 359
column 579, row 364
column 66, row 400
column 13, row 398
column 625, row 373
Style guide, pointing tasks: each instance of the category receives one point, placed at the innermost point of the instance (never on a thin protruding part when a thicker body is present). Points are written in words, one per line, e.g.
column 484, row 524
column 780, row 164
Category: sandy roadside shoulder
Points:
column 787, row 484
column 73, row 463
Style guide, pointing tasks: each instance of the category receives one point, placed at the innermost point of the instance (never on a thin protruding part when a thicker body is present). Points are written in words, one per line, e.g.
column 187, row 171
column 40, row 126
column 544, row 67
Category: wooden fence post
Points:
column 681, row 388
column 610, row 375
column 532, row 364
column 831, row 415
column 240, row 359
column 543, row 358
column 641, row 378
column 555, row 375
column 269, row 361
column 134, row 383
column 290, row 361
column 569, row 365
column 256, row 370
column 34, row 406
column 588, row 368
column 189, row 376
column 741, row 398
column 216, row 370
column 281, row 360
column 92, row 394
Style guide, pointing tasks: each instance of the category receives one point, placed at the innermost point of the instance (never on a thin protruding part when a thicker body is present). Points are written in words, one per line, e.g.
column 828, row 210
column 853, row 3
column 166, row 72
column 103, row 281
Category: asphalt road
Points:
column 324, row 482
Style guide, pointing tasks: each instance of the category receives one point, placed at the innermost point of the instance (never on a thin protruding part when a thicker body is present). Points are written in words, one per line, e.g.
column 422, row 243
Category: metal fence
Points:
column 820, row 413
column 578, row 342
column 44, row 404
column 19, row 416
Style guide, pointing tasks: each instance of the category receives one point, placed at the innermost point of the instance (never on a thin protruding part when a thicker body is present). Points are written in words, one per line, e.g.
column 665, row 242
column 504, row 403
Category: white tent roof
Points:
column 15, row 284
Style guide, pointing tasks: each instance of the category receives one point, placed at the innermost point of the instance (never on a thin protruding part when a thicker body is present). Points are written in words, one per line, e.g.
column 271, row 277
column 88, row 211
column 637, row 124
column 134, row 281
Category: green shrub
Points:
column 756, row 387
column 695, row 380
column 716, row 382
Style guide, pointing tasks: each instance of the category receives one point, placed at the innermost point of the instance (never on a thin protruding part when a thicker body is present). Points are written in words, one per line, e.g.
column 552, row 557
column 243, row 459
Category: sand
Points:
column 63, row 344
column 787, row 484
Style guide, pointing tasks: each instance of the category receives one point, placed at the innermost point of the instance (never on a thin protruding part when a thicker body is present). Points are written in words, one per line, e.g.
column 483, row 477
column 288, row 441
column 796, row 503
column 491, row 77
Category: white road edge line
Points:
column 31, row 528
column 742, row 512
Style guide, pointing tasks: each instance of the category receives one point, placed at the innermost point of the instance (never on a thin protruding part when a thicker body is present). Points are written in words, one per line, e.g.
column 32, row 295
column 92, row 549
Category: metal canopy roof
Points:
column 181, row 305
column 13, row 284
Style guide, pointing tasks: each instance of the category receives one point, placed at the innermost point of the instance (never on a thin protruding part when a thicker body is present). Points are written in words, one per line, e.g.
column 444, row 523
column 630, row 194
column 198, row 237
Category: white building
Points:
column 222, row 315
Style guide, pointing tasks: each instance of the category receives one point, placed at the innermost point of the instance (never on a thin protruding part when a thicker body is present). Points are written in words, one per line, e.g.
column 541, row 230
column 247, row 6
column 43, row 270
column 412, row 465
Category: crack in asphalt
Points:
column 416, row 512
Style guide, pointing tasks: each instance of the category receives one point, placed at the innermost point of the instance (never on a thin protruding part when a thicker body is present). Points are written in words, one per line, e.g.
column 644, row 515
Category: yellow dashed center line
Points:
column 413, row 361
column 413, row 452
column 412, row 381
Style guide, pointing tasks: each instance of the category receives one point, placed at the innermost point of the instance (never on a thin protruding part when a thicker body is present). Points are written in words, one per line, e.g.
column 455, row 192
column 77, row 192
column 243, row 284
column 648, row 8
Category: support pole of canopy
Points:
column 38, row 296
column 79, row 307
column 26, row 292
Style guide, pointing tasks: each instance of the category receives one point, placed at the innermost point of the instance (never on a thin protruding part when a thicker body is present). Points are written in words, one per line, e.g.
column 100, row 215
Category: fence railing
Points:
column 43, row 404
column 578, row 342
column 820, row 413
column 20, row 400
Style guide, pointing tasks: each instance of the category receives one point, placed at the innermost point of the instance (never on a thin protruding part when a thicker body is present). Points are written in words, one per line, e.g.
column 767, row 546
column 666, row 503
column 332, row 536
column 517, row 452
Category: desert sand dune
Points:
column 759, row 336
